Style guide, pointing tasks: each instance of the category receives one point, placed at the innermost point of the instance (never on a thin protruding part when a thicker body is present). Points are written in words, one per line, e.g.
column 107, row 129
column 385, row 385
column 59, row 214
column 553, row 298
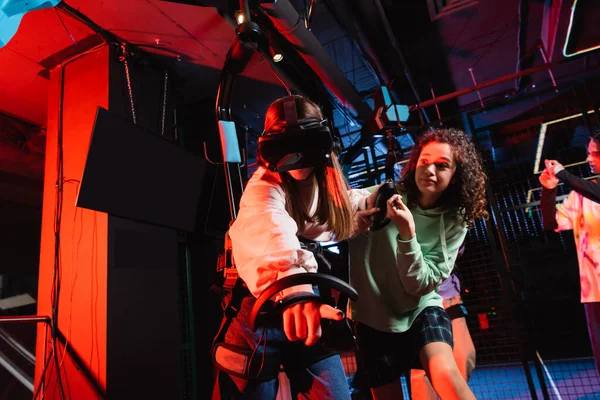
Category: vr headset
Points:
column 297, row 145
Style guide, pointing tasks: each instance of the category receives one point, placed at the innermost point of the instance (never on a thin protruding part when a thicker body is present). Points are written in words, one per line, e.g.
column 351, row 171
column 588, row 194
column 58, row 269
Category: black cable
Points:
column 308, row 10
column 65, row 26
column 41, row 384
column 57, row 223
column 106, row 35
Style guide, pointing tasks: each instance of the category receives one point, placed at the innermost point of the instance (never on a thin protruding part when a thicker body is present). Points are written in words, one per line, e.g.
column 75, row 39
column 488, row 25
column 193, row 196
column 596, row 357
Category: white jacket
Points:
column 264, row 236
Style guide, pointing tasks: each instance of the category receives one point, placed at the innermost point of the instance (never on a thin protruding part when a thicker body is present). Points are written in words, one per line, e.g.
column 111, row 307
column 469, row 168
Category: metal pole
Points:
column 26, row 318
column 390, row 34
column 376, row 177
column 370, row 175
column 480, row 86
column 437, row 109
column 17, row 372
column 475, row 83
column 17, row 346
column 235, row 62
column 543, row 52
column 288, row 22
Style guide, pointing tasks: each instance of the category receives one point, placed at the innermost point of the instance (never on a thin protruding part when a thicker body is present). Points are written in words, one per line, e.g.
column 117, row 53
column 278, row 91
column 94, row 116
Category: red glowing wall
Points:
column 76, row 90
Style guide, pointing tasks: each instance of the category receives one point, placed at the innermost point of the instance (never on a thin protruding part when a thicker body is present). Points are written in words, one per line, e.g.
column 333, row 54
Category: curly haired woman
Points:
column 400, row 320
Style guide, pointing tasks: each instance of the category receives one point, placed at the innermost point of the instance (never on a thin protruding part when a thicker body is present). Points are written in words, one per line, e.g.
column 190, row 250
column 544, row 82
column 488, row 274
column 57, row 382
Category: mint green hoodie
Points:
column 397, row 279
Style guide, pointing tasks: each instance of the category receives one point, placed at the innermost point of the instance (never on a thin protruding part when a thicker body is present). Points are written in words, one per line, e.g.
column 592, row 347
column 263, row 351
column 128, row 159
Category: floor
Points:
column 565, row 379
column 572, row 379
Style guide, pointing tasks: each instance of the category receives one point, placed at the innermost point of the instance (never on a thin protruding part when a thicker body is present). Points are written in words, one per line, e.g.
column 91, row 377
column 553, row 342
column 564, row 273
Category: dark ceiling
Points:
column 418, row 49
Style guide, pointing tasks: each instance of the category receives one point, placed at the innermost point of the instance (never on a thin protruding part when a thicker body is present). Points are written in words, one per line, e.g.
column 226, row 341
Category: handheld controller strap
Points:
column 385, row 191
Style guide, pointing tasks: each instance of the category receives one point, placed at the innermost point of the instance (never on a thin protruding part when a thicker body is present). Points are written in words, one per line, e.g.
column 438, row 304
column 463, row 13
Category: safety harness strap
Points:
column 246, row 364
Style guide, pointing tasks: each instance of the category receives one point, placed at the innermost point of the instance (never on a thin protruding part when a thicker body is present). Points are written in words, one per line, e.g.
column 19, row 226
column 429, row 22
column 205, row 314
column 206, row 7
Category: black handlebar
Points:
column 299, row 279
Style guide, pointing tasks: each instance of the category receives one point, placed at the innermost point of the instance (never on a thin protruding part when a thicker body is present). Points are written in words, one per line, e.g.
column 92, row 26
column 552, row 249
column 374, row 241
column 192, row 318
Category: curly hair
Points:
column 466, row 196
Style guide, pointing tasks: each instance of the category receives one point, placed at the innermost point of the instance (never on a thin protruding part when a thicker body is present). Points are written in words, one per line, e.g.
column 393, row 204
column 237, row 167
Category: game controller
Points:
column 384, row 192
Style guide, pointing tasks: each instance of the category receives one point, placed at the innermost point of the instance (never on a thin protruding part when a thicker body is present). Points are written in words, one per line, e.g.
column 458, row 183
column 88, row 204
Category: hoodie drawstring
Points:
column 443, row 239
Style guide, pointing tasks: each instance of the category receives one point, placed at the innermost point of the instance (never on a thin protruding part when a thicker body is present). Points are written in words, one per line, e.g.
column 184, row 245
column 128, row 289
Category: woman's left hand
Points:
column 399, row 213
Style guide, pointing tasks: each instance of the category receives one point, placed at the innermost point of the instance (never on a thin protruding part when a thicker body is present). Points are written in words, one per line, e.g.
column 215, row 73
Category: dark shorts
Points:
column 385, row 356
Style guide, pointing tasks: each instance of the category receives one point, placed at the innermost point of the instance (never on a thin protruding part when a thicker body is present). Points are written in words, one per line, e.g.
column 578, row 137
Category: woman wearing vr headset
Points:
column 400, row 318
column 298, row 190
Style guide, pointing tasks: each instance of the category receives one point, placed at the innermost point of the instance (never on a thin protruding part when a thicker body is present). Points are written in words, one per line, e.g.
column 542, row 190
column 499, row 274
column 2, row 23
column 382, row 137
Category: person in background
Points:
column 579, row 212
column 400, row 319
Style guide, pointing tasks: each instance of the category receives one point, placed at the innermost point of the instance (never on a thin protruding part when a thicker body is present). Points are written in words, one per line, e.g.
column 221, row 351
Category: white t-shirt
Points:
column 582, row 215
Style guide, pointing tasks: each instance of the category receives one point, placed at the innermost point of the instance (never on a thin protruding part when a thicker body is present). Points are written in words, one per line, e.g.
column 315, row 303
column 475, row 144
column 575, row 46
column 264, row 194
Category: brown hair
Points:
column 466, row 196
column 333, row 206
column 595, row 136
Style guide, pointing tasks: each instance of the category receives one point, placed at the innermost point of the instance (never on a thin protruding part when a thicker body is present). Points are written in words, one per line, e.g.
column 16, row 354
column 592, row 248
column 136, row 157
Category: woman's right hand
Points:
column 400, row 214
column 302, row 321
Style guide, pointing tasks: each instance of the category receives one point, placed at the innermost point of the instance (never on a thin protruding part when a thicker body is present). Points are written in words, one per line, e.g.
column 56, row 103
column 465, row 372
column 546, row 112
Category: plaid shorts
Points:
column 385, row 356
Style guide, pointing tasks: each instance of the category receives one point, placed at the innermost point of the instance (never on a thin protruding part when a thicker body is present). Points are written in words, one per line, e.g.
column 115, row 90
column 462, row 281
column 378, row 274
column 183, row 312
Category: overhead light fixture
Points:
column 274, row 49
column 239, row 17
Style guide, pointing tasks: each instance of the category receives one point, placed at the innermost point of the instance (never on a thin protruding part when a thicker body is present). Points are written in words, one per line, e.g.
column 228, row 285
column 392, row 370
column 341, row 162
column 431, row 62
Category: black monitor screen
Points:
column 136, row 174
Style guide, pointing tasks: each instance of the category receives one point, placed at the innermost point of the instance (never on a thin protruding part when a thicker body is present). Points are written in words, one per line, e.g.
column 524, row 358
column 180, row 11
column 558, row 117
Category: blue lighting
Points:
column 12, row 11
